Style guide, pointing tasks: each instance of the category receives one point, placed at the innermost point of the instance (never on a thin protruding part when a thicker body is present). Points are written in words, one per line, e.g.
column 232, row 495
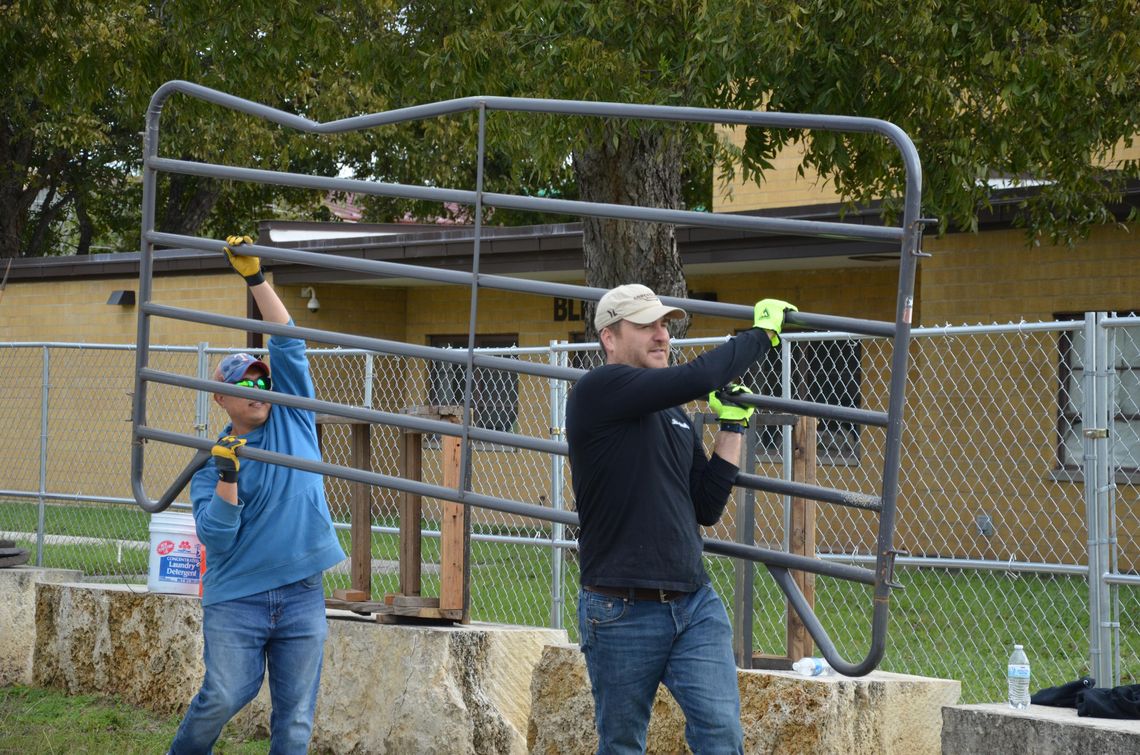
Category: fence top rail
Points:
column 757, row 224
column 840, row 123
column 847, row 123
column 1013, row 327
column 89, row 346
column 1121, row 321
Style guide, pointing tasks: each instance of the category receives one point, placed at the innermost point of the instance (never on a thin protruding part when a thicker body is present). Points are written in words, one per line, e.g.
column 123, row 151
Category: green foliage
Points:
column 1015, row 89
column 81, row 76
column 1009, row 89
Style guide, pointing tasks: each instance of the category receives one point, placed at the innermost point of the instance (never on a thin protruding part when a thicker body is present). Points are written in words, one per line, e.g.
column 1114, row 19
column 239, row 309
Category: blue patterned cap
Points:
column 234, row 367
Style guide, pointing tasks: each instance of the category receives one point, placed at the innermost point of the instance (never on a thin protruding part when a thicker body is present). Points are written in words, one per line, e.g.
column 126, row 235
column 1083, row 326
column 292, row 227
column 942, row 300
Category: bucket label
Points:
column 178, row 562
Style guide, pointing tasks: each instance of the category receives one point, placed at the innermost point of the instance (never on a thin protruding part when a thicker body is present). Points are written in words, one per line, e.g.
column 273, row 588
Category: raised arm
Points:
column 249, row 267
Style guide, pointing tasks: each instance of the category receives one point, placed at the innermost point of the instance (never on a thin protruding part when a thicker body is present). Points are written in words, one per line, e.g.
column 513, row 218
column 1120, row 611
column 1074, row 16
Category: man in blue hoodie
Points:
column 268, row 538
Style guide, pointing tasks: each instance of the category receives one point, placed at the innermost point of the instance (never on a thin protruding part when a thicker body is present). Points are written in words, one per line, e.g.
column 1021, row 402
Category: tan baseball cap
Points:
column 633, row 302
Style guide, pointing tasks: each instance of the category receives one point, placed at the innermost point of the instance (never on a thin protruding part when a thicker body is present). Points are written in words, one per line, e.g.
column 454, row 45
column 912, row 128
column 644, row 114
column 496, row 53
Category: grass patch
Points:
column 39, row 721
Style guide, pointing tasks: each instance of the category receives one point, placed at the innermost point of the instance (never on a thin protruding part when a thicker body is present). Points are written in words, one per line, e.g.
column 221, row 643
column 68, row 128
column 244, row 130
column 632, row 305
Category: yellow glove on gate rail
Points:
column 769, row 315
column 225, row 458
column 247, row 266
column 733, row 416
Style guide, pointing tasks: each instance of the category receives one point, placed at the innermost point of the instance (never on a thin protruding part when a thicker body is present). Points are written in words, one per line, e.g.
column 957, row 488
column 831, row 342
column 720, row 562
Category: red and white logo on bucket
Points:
column 165, row 548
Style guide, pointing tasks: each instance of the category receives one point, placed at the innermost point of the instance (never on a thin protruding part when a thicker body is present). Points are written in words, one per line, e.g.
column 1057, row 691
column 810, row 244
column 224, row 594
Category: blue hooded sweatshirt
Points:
column 280, row 530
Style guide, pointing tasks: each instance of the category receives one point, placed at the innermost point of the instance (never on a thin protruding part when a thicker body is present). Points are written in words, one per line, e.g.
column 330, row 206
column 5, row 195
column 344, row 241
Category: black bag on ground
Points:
column 1118, row 702
column 1064, row 696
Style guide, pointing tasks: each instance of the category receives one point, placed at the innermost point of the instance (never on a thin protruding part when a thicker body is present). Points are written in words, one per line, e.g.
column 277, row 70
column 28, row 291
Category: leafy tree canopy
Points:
column 1009, row 88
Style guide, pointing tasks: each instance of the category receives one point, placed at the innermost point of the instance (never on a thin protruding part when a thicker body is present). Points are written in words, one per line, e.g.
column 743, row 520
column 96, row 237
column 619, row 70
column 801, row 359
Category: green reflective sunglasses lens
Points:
column 262, row 383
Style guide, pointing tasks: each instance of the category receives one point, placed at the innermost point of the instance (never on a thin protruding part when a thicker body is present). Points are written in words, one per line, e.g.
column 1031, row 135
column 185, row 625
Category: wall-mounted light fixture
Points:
column 311, row 293
column 122, row 298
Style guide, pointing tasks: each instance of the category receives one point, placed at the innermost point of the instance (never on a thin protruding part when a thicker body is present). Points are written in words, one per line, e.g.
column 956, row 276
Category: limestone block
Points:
column 384, row 688
column 18, row 618
column 416, row 688
column 119, row 640
column 781, row 711
column 1036, row 730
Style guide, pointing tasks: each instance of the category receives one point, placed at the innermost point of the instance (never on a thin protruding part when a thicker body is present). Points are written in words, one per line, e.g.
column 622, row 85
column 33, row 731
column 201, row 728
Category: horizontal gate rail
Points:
column 781, row 559
column 863, row 501
column 518, row 285
column 907, row 235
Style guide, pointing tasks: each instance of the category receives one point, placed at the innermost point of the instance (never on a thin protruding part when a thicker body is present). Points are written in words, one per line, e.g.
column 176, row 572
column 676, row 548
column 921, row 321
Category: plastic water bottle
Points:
column 812, row 667
column 1018, row 674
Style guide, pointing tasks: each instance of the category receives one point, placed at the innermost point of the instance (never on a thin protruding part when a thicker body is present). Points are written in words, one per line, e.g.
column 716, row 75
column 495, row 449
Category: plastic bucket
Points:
column 176, row 556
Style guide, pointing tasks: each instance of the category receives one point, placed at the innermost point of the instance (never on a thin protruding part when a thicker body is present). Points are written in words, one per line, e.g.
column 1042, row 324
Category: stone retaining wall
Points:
column 878, row 714
column 425, row 689
column 384, row 688
column 1037, row 730
column 18, row 618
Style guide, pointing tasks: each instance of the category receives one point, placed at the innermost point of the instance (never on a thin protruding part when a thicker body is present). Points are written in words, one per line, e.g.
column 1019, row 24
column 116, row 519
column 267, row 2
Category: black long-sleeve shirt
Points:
column 641, row 479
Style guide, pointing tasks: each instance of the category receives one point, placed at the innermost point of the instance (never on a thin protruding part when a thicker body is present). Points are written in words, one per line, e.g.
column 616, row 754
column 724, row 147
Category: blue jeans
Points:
column 284, row 628
column 632, row 646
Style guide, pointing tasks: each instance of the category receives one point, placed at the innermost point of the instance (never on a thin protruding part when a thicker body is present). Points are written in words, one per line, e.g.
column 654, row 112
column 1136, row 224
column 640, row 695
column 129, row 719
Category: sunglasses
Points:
column 263, row 383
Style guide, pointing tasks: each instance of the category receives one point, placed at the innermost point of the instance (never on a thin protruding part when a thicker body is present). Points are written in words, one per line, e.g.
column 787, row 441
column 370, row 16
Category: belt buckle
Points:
column 661, row 596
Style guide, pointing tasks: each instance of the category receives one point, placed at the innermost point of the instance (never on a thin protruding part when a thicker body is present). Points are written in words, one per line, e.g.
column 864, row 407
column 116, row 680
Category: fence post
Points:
column 1111, row 548
column 745, row 570
column 786, row 452
column 1095, row 424
column 802, row 534
column 369, row 374
column 202, row 401
column 557, row 394
column 41, row 509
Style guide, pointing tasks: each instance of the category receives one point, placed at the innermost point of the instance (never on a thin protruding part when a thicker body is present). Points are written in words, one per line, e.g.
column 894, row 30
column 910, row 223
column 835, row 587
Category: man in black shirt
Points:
column 643, row 486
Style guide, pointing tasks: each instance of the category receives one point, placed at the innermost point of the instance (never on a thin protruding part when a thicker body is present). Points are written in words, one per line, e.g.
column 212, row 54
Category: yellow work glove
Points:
column 247, row 266
column 225, row 457
column 769, row 315
column 733, row 416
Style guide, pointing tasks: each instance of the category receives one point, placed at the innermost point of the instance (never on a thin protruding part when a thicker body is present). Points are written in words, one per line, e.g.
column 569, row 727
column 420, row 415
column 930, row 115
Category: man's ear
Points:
column 606, row 336
column 218, row 399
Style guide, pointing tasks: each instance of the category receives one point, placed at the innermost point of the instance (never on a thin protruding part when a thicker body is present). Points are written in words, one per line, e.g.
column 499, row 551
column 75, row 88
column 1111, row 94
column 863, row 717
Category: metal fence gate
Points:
column 778, row 562
column 1022, row 517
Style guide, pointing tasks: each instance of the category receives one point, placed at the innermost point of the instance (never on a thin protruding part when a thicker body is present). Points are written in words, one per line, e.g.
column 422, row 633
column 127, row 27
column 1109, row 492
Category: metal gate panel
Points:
column 908, row 236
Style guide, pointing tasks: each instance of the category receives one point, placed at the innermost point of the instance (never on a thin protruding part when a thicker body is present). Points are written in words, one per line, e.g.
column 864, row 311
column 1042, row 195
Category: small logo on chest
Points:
column 679, row 423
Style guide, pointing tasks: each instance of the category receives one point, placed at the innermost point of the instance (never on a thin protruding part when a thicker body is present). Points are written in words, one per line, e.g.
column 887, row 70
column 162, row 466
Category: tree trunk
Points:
column 17, row 189
column 632, row 169
column 189, row 204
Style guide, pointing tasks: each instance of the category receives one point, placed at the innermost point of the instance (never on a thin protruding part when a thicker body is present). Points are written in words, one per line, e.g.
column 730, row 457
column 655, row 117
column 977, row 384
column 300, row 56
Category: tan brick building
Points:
column 989, row 277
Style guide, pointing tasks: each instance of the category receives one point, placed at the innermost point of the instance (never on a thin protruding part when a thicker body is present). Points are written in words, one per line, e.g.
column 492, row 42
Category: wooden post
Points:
column 408, row 603
column 454, row 536
column 455, row 531
column 361, row 538
column 802, row 532
column 360, row 509
column 411, row 511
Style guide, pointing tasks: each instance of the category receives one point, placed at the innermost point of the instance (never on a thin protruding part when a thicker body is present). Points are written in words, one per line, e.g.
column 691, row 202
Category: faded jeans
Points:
column 633, row 645
column 284, row 629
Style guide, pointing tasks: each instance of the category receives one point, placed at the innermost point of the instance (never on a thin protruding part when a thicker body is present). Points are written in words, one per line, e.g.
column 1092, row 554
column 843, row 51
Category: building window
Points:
column 494, row 393
column 824, row 372
column 1125, row 393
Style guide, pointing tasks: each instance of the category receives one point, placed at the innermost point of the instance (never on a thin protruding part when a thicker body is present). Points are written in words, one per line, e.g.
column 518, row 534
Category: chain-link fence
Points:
column 1019, row 517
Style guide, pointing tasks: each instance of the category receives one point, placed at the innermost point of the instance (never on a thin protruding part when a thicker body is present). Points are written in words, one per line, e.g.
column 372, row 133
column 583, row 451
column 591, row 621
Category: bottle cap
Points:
column 1018, row 647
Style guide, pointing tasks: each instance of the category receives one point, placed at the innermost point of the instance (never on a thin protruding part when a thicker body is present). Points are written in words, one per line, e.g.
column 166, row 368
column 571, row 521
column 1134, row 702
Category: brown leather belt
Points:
column 638, row 593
